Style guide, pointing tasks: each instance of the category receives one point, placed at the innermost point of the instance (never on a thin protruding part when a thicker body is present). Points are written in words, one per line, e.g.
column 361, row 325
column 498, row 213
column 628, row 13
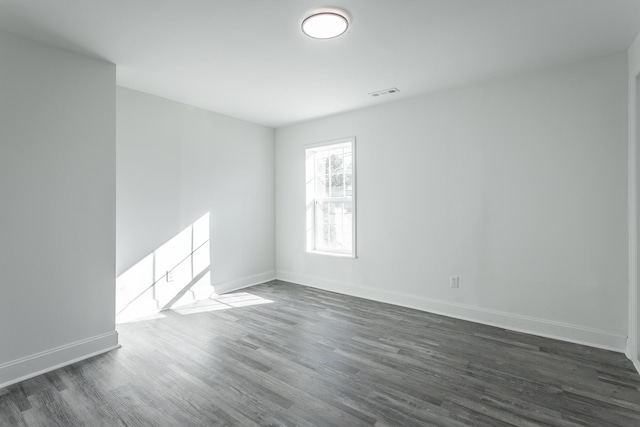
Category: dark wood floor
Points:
column 317, row 358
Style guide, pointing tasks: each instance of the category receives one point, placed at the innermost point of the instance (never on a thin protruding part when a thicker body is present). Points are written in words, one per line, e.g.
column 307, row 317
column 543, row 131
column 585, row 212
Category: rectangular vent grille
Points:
column 385, row 92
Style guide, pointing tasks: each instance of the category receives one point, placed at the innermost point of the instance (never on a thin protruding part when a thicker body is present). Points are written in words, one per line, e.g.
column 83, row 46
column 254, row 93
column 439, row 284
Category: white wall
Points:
column 518, row 186
column 57, row 215
column 634, row 295
column 176, row 163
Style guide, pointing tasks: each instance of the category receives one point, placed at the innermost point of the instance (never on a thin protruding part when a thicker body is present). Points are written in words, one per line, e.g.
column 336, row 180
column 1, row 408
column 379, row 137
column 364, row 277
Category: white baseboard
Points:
column 630, row 356
column 40, row 363
column 243, row 282
column 530, row 325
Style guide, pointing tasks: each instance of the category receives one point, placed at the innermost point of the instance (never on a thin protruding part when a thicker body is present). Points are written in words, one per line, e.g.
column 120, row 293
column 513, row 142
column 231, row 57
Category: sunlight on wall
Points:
column 175, row 274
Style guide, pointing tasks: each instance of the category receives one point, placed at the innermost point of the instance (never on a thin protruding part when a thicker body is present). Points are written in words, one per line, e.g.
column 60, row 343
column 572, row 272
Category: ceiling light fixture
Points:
column 325, row 24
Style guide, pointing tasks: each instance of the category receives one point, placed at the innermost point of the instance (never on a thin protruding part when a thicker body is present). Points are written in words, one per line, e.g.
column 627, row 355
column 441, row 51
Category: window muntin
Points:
column 330, row 172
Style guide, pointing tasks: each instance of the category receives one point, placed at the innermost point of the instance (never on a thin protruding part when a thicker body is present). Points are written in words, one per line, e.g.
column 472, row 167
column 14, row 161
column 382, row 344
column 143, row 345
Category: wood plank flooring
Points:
column 278, row 354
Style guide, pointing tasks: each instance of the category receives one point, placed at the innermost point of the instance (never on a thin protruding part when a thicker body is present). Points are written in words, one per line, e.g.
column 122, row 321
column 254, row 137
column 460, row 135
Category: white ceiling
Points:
column 249, row 59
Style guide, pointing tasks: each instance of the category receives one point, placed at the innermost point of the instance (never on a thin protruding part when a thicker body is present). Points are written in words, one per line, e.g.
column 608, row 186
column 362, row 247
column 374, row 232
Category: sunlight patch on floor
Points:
column 223, row 302
column 135, row 317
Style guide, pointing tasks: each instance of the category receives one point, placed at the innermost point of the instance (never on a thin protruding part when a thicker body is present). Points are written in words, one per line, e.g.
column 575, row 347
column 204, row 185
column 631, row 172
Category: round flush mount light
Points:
column 325, row 24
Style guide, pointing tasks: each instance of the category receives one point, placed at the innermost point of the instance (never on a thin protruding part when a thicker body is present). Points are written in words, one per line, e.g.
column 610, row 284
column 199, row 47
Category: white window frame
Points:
column 311, row 200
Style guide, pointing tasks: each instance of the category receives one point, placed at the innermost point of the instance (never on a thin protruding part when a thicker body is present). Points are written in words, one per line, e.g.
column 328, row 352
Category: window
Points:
column 331, row 209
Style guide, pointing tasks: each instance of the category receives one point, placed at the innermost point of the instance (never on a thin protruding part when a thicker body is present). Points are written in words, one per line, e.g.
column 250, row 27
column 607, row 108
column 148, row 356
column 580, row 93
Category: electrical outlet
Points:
column 455, row 282
column 169, row 276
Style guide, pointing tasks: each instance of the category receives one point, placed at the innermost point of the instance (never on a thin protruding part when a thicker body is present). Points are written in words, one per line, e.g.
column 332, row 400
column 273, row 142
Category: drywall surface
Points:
column 517, row 186
column 57, row 215
column 195, row 198
column 634, row 295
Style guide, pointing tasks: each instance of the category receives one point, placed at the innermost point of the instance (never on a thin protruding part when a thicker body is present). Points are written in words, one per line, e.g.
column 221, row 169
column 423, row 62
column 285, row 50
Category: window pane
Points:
column 337, row 213
column 348, row 160
column 322, row 186
column 336, row 160
column 327, row 186
column 334, row 212
column 336, row 238
column 337, row 185
column 322, row 213
column 348, row 170
column 322, row 241
column 334, row 226
column 322, row 163
column 338, row 243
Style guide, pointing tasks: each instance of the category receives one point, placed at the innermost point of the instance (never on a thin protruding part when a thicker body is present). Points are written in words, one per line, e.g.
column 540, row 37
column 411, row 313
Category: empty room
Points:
column 309, row 213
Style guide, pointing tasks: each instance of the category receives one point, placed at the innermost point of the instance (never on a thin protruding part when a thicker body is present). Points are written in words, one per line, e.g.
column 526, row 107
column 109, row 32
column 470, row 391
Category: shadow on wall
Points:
column 176, row 274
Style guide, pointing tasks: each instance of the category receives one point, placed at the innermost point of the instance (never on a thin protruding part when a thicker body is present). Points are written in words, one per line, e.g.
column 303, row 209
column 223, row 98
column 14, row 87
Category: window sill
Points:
column 332, row 254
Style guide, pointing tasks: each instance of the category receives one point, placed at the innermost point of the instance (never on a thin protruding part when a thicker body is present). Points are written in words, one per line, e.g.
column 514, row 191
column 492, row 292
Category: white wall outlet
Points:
column 454, row 282
column 169, row 276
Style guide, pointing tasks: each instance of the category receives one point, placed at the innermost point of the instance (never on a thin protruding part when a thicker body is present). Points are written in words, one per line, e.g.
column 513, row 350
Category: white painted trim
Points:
column 243, row 282
column 636, row 363
column 632, row 346
column 530, row 325
column 633, row 58
column 333, row 254
column 345, row 140
column 310, row 248
column 49, row 360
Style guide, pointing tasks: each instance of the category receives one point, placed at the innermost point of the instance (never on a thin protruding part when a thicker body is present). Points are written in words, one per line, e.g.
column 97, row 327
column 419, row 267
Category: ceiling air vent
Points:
column 385, row 92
